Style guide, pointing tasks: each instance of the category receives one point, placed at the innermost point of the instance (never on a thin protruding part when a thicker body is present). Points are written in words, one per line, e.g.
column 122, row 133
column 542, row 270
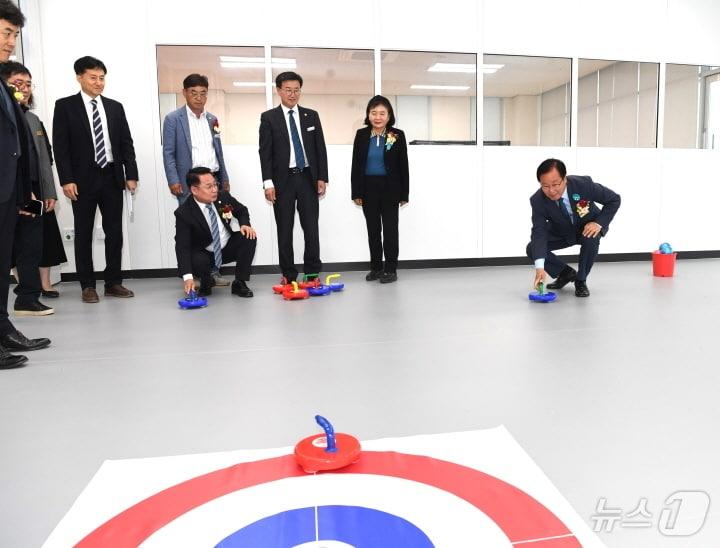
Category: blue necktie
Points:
column 100, row 155
column 215, row 231
column 297, row 145
column 564, row 210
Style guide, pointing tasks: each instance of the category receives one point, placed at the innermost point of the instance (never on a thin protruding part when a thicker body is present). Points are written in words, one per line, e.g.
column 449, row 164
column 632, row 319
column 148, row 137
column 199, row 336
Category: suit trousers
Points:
column 27, row 252
column 588, row 252
column 104, row 193
column 8, row 219
column 239, row 250
column 380, row 206
column 299, row 188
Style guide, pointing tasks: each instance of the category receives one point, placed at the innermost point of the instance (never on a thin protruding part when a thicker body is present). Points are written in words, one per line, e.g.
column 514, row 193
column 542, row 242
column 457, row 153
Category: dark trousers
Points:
column 380, row 206
column 239, row 250
column 588, row 252
column 27, row 252
column 299, row 188
column 103, row 193
column 8, row 218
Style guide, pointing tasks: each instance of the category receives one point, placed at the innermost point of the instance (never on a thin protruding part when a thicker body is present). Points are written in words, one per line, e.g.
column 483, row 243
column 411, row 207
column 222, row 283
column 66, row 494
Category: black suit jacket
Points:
column 549, row 222
column 192, row 232
column 74, row 142
column 14, row 168
column 275, row 145
column 396, row 163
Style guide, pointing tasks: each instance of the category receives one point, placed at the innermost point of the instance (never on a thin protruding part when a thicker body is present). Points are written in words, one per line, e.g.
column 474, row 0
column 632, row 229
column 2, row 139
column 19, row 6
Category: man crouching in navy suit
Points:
column 565, row 213
column 212, row 228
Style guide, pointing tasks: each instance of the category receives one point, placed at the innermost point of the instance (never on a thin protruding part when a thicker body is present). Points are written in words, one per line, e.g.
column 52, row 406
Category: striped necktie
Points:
column 215, row 231
column 297, row 145
column 100, row 155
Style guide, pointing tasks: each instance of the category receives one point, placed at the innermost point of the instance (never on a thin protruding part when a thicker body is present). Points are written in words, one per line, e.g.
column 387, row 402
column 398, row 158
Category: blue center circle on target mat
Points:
column 354, row 525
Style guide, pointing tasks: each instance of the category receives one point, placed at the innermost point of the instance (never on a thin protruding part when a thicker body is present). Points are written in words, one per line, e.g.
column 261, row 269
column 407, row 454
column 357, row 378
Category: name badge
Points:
column 311, row 128
column 234, row 225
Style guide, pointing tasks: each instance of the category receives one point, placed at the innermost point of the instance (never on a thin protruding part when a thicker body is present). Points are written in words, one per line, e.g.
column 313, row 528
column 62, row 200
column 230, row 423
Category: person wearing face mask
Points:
column 380, row 184
column 38, row 244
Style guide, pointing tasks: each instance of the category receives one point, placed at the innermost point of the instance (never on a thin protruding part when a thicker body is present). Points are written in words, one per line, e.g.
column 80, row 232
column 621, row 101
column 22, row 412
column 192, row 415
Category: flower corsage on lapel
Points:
column 16, row 93
column 582, row 207
column 216, row 126
column 390, row 139
column 226, row 212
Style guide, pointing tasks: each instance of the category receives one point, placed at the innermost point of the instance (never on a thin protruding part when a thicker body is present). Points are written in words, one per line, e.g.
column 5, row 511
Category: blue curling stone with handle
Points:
column 192, row 301
column 541, row 296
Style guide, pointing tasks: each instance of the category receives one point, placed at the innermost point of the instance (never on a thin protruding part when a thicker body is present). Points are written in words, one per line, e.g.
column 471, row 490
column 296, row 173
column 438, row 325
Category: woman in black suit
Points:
column 380, row 184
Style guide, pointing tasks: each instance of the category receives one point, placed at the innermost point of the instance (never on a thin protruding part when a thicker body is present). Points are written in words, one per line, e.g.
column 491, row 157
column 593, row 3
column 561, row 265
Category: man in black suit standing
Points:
column 95, row 160
column 564, row 213
column 212, row 228
column 15, row 190
column 293, row 160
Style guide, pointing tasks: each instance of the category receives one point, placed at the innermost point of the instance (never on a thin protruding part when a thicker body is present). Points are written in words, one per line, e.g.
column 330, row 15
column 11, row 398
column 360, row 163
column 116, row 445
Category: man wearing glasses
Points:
column 15, row 189
column 294, row 168
column 564, row 214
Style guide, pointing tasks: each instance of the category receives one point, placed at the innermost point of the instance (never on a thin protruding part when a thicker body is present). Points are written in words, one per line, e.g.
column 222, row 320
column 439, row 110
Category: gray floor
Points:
column 613, row 396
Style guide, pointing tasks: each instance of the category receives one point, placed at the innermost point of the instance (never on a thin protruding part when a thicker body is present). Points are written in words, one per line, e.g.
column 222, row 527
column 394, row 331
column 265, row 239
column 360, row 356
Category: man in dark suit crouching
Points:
column 212, row 228
column 564, row 214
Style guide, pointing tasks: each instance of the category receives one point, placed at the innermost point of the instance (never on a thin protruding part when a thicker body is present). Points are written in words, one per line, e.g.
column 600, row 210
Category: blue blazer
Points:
column 549, row 223
column 177, row 148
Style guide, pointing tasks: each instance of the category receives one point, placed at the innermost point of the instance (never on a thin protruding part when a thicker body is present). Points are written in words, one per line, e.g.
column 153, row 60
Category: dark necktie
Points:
column 297, row 145
column 215, row 231
column 563, row 209
column 100, row 155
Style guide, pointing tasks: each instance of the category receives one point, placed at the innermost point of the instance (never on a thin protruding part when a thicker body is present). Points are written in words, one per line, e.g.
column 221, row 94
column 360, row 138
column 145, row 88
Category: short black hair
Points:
column 11, row 13
column 10, row 68
column 548, row 165
column 194, row 79
column 88, row 63
column 193, row 176
column 287, row 77
column 377, row 101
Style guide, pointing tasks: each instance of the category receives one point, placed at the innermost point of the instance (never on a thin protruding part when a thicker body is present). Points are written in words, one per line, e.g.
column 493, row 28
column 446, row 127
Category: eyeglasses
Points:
column 288, row 91
column 22, row 84
column 196, row 94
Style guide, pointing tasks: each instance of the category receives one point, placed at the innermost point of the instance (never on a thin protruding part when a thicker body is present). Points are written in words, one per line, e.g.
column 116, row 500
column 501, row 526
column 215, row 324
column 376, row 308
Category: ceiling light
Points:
column 453, row 67
column 445, row 88
column 490, row 68
column 231, row 61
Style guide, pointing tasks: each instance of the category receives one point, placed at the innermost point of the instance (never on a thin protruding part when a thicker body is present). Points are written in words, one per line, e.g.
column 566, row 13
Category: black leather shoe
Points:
column 564, row 278
column 10, row 361
column 241, row 289
column 388, row 277
column 373, row 275
column 581, row 289
column 18, row 341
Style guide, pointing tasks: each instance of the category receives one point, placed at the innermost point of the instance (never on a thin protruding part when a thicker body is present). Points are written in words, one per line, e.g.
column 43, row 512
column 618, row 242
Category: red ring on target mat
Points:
column 520, row 516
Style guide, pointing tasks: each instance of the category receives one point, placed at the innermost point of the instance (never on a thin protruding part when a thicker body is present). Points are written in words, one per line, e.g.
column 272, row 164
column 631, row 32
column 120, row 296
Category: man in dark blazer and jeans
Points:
column 95, row 160
column 294, row 167
column 565, row 213
column 15, row 191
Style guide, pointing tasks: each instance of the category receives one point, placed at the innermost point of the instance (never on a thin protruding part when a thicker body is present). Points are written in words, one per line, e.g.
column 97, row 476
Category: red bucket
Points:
column 663, row 264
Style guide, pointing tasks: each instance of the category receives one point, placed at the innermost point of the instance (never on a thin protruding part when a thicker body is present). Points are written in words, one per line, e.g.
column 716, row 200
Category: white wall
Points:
column 466, row 201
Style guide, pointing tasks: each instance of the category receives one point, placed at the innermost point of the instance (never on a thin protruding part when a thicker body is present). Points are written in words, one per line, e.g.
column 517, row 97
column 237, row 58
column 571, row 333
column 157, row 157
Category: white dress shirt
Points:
column 201, row 139
column 224, row 233
column 103, row 121
column 293, row 163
